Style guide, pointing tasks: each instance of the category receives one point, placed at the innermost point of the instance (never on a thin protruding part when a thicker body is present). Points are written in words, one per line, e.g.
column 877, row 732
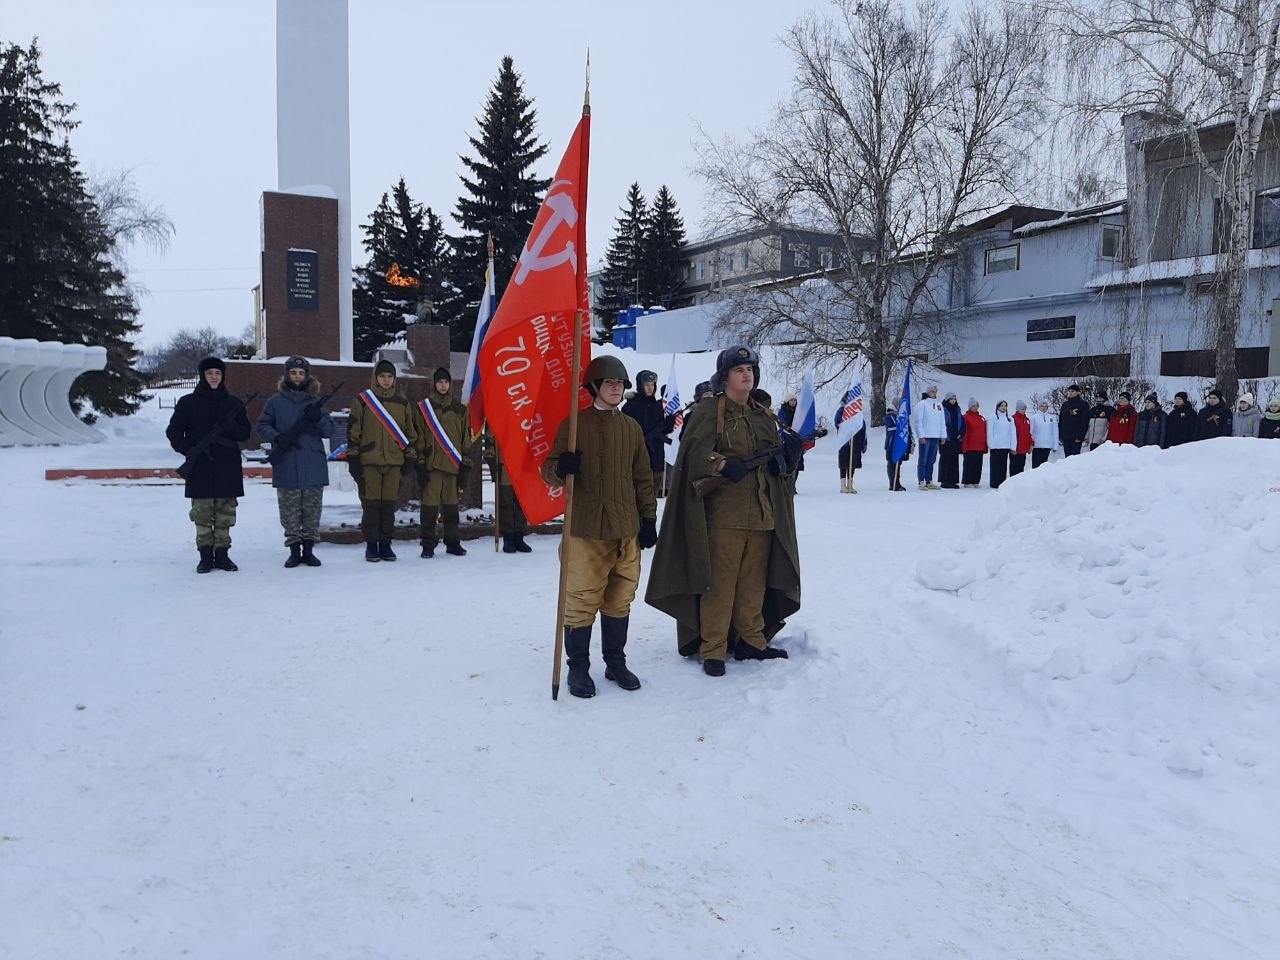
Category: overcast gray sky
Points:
column 184, row 91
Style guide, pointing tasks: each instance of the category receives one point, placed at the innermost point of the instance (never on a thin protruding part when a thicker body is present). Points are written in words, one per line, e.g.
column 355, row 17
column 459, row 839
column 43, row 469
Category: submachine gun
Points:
column 287, row 439
column 705, row 486
column 218, row 435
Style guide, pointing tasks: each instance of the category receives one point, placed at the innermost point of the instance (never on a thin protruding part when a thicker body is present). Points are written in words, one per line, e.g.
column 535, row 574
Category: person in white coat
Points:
column 1044, row 434
column 1002, row 437
column 930, row 426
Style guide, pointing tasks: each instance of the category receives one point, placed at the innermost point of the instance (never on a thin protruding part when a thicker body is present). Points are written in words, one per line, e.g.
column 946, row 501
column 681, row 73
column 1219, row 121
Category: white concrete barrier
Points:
column 35, row 387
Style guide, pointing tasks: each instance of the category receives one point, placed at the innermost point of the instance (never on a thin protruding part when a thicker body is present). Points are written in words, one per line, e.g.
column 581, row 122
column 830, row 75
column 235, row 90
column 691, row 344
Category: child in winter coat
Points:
column 1002, row 437
column 1151, row 421
column 949, row 453
column 1023, row 446
column 1044, row 435
column 1248, row 418
column 1269, row 427
column 1181, row 425
column 1123, row 422
column 1214, row 417
column 1099, row 422
column 974, row 446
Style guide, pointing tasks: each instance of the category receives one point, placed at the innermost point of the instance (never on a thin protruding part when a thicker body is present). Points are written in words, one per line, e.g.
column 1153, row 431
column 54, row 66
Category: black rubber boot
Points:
column 384, row 550
column 295, row 556
column 428, row 551
column 371, row 551
column 713, row 668
column 613, row 645
column 508, row 543
column 745, row 651
column 206, row 560
column 521, row 546
column 308, row 557
column 577, row 649
column 427, row 529
column 454, row 548
column 222, row 561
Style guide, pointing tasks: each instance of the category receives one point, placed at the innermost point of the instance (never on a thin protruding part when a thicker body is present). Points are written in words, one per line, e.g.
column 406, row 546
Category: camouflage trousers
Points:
column 214, row 519
column 300, row 514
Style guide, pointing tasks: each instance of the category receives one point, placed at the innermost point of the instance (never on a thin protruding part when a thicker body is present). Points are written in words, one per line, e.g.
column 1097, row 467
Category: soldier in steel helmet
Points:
column 614, row 518
column 727, row 566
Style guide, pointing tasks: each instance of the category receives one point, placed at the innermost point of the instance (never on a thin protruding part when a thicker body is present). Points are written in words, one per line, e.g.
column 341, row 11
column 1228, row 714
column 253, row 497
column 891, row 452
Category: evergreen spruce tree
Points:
column 622, row 280
column 58, row 280
column 405, row 243
column 662, row 275
column 501, row 198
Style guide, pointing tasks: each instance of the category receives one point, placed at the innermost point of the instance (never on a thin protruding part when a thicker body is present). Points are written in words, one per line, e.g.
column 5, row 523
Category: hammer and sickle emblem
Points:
column 562, row 212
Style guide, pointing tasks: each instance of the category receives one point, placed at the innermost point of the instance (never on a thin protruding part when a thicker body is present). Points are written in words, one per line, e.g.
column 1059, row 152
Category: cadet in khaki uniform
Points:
column 512, row 523
column 380, row 447
column 614, row 511
column 443, row 468
column 727, row 567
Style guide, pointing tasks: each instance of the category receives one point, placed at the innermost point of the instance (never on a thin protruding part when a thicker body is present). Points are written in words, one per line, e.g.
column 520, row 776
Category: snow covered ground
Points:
column 1038, row 722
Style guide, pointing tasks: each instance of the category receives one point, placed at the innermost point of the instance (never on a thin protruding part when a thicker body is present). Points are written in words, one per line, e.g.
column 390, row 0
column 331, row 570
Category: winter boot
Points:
column 508, row 543
column 745, row 651
column 613, row 645
column 308, row 557
column 222, row 561
column 206, row 560
column 427, row 526
column 713, row 668
column 454, row 548
column 371, row 551
column 521, row 546
column 384, row 550
column 577, row 649
column 295, row 556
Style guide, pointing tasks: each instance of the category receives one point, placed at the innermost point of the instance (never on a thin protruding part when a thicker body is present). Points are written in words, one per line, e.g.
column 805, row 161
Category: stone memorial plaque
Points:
column 302, row 279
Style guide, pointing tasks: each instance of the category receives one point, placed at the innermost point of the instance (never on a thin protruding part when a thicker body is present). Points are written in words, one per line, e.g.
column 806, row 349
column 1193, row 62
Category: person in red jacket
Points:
column 973, row 446
column 1022, row 426
column 1123, row 422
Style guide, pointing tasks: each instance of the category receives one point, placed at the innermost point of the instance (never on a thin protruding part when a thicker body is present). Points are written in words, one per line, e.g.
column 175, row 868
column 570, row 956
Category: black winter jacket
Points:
column 1269, row 429
column 1180, row 427
column 647, row 411
column 1214, row 421
column 196, row 415
column 1150, row 429
column 1073, row 421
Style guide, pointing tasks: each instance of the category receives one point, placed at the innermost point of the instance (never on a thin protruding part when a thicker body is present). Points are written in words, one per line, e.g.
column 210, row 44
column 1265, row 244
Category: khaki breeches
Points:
column 603, row 577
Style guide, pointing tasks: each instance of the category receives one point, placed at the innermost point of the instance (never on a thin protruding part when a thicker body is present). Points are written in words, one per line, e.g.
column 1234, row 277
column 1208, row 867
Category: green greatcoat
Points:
column 681, row 569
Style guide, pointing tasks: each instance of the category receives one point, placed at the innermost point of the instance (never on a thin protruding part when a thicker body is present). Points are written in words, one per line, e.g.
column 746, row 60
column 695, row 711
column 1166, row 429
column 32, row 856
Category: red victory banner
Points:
column 526, row 358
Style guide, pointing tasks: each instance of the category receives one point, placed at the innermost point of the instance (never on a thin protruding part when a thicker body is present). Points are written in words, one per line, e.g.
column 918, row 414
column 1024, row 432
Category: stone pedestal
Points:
column 300, row 276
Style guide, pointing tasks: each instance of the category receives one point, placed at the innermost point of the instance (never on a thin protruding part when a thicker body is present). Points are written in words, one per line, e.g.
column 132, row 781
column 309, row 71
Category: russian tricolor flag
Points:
column 471, row 394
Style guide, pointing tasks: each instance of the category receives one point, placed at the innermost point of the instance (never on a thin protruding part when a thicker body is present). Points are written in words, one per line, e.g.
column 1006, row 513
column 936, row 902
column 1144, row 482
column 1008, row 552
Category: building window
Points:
column 800, row 254
column 824, row 257
column 1002, row 259
column 1266, row 221
column 746, row 258
column 702, row 269
column 728, row 262
column 1112, row 242
column 1051, row 328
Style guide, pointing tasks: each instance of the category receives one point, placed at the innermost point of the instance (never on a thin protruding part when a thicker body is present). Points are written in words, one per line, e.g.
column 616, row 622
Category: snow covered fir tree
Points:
column 60, row 278
column 404, row 278
column 500, row 199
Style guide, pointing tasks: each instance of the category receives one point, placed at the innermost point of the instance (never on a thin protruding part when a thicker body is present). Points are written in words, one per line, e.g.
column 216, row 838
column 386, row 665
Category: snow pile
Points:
column 1126, row 593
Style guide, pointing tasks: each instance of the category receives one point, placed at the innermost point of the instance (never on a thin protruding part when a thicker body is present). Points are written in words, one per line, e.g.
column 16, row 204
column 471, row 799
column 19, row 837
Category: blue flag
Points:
column 902, row 433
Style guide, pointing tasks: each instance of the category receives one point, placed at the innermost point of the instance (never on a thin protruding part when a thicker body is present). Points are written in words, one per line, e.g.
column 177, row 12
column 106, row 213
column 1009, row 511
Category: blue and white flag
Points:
column 672, row 408
column 902, row 434
column 852, row 414
column 471, row 395
column 805, row 422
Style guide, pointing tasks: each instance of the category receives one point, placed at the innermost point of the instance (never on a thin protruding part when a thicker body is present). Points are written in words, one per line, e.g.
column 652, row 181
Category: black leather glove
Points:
column 569, row 464
column 312, row 412
column 734, row 469
column 280, row 444
column 648, row 533
column 354, row 468
column 464, row 474
column 422, row 473
column 792, row 450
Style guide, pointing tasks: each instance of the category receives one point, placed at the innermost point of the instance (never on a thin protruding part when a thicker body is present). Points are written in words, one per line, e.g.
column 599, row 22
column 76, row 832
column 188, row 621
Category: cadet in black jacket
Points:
column 1214, row 417
column 1150, row 429
column 646, row 409
column 216, row 479
column 1073, row 422
column 1180, row 426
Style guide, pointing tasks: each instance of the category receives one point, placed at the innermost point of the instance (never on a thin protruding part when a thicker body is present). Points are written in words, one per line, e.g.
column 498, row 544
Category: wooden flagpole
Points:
column 571, row 445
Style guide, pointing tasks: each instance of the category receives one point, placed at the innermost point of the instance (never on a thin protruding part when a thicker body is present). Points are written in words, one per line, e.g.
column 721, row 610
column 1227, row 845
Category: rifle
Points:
column 215, row 435
column 705, row 486
column 286, row 439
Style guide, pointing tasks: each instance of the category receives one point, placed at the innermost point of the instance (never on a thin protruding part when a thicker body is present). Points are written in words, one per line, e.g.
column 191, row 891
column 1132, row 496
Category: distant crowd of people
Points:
column 958, row 441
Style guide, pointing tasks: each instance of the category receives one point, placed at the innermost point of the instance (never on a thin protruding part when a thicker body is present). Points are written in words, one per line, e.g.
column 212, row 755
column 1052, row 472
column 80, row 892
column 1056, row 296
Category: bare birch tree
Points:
column 902, row 124
column 1191, row 64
